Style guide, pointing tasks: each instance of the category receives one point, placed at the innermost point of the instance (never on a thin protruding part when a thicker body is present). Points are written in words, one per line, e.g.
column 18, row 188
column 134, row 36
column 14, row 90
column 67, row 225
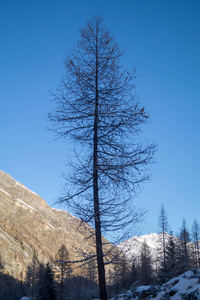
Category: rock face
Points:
column 28, row 224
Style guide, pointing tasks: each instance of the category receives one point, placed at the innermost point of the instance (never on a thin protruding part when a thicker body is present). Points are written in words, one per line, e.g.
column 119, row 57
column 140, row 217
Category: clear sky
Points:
column 160, row 38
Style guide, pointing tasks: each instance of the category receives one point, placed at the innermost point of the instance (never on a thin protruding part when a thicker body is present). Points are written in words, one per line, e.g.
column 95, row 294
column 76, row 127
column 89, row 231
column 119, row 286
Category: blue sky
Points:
column 160, row 38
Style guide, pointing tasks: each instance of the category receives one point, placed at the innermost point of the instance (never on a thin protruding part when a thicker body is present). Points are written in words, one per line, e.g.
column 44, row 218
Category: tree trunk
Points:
column 99, row 250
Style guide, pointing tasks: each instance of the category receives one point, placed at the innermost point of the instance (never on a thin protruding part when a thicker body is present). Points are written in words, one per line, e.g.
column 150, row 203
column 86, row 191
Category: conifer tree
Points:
column 62, row 256
column 168, row 269
column 98, row 111
column 184, row 251
column 196, row 238
column 145, row 268
column 31, row 276
column 134, row 271
column 46, row 284
column 164, row 227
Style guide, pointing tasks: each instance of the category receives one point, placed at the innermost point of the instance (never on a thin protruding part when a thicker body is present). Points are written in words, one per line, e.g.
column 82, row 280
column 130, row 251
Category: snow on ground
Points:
column 143, row 288
column 185, row 286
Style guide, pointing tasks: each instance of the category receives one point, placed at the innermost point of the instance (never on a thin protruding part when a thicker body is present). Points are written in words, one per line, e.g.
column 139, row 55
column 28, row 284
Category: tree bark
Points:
column 99, row 250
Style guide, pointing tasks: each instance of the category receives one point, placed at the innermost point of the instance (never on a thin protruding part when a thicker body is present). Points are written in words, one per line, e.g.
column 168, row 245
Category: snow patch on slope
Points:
column 51, row 226
column 26, row 205
column 5, row 193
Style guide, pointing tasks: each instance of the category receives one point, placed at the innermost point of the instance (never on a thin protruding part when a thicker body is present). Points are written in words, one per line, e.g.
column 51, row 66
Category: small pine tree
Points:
column 184, row 260
column 117, row 278
column 196, row 237
column 168, row 269
column 61, row 257
column 134, row 271
column 164, row 226
column 145, row 268
column 31, row 276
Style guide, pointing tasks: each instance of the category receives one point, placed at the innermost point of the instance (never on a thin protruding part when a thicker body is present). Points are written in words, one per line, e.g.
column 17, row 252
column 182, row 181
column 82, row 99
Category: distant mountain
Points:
column 28, row 224
column 132, row 247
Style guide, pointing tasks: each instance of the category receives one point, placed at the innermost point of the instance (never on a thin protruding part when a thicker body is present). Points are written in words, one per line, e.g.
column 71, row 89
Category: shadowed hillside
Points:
column 28, row 224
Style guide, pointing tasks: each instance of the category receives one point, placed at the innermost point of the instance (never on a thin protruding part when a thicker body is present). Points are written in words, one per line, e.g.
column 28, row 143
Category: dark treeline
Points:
column 56, row 280
column 10, row 287
column 46, row 286
column 50, row 281
column 176, row 255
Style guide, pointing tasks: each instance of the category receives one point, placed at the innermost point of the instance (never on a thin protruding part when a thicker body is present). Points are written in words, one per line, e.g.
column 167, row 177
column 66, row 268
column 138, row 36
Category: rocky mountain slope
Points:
column 28, row 224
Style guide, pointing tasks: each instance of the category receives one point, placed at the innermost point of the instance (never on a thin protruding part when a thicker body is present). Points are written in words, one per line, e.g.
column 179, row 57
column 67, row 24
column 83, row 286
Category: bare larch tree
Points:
column 196, row 237
column 184, row 251
column 98, row 112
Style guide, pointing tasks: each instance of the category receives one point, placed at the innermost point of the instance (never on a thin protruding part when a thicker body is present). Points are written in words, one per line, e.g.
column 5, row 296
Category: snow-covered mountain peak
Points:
column 132, row 247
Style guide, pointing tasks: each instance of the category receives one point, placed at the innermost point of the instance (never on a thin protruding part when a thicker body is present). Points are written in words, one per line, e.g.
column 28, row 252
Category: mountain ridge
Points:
column 28, row 224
